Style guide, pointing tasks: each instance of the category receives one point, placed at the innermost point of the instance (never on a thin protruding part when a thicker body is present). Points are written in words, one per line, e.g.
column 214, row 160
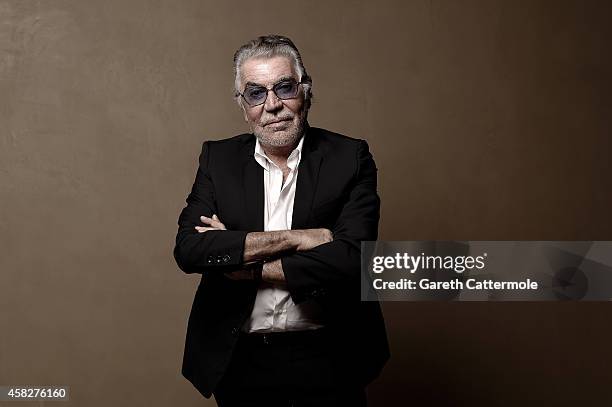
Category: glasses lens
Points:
column 255, row 95
column 286, row 89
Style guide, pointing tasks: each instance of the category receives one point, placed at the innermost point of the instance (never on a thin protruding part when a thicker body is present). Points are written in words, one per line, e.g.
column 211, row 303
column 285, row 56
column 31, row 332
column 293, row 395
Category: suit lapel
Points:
column 253, row 188
column 308, row 176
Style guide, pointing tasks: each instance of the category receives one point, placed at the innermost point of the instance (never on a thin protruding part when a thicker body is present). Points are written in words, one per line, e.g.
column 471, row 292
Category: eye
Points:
column 255, row 92
column 286, row 89
column 284, row 86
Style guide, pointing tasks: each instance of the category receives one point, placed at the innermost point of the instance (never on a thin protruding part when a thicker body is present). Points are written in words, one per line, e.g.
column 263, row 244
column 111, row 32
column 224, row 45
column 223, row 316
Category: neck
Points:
column 280, row 153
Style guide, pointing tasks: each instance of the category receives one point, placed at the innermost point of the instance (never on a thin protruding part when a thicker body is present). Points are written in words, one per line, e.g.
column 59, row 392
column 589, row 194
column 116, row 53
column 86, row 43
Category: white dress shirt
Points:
column 274, row 311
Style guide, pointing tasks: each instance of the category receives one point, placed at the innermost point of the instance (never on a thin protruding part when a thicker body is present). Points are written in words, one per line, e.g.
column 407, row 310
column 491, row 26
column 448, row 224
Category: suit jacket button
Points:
column 219, row 259
column 235, row 331
column 226, row 258
column 209, row 259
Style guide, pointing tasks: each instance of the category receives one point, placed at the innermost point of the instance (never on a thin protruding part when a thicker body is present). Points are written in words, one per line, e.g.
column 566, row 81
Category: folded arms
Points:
column 308, row 261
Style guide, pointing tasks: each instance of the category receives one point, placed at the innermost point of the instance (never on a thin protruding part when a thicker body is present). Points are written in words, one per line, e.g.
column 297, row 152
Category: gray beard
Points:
column 289, row 137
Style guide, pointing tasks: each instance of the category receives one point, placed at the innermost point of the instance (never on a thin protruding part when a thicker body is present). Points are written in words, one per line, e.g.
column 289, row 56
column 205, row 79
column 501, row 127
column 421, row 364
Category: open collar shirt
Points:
column 274, row 311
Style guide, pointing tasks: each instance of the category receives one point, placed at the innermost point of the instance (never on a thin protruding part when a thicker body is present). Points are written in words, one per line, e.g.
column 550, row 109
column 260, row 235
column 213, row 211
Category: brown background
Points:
column 487, row 119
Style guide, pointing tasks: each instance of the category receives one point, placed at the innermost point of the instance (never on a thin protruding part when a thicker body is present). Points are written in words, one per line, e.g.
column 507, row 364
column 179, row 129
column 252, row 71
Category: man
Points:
column 274, row 224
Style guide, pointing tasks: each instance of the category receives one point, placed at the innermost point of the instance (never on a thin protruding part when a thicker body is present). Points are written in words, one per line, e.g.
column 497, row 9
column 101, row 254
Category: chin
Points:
column 282, row 138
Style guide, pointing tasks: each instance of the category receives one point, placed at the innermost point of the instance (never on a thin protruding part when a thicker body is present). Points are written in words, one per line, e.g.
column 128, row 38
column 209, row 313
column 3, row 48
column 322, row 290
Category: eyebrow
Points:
column 284, row 78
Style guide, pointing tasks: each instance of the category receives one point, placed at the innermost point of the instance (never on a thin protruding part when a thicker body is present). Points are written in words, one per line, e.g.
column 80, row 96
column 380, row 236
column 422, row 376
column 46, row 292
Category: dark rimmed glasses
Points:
column 284, row 89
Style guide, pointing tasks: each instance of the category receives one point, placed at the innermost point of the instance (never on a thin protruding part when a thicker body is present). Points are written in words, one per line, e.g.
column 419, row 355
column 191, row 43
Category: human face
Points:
column 277, row 122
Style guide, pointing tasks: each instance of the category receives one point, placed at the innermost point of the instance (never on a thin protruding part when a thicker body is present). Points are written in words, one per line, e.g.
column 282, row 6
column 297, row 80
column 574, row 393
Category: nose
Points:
column 273, row 103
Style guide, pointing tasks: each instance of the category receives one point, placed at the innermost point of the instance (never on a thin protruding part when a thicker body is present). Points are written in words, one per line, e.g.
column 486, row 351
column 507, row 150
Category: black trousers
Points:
column 289, row 369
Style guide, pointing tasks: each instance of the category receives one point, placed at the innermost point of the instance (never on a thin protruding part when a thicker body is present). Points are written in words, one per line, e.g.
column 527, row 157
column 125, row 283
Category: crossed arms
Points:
column 310, row 263
column 263, row 246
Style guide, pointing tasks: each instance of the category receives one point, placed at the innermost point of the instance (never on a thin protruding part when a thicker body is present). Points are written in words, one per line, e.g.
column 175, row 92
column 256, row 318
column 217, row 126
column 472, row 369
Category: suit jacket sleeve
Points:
column 314, row 272
column 214, row 250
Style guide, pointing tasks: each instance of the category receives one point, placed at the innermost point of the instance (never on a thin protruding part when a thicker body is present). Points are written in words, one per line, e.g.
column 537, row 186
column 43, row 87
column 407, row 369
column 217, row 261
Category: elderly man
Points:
column 274, row 224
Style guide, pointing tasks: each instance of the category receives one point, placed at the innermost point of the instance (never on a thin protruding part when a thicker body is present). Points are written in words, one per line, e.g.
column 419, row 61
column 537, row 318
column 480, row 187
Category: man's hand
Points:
column 214, row 224
column 311, row 238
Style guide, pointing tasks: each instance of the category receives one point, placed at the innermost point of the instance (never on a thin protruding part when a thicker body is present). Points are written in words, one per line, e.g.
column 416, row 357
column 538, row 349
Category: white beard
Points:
column 284, row 138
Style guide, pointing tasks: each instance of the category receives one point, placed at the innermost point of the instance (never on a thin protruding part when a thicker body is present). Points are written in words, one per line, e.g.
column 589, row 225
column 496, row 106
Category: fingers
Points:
column 215, row 222
column 203, row 229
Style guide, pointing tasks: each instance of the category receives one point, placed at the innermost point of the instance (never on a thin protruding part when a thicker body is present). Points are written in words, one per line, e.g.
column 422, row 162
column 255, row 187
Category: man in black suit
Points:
column 274, row 223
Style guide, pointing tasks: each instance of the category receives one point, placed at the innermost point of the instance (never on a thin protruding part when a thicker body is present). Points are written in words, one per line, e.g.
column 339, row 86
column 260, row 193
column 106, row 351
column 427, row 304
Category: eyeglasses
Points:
column 256, row 95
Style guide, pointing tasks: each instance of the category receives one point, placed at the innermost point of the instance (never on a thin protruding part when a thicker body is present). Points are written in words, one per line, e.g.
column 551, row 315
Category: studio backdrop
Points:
column 488, row 120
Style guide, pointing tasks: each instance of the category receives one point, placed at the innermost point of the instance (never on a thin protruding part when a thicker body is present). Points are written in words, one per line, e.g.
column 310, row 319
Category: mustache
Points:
column 277, row 119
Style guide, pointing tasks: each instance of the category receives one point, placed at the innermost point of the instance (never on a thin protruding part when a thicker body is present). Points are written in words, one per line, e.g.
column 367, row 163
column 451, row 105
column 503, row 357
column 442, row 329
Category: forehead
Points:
column 266, row 71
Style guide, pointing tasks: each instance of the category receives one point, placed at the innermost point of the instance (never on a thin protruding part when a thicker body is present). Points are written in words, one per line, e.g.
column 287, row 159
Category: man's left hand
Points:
column 214, row 224
column 272, row 271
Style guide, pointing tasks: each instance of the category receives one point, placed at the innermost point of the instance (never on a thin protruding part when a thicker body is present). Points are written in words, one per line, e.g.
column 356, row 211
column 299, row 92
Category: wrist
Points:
column 272, row 272
column 294, row 238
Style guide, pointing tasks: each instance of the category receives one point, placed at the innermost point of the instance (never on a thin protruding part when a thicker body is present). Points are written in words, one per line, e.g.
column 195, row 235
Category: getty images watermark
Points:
column 486, row 270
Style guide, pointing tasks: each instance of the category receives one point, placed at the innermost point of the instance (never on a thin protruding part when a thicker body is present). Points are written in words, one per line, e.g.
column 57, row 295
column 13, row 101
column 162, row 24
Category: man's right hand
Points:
column 311, row 238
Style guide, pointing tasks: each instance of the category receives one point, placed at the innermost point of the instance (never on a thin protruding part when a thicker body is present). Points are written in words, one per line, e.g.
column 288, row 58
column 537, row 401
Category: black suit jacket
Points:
column 336, row 189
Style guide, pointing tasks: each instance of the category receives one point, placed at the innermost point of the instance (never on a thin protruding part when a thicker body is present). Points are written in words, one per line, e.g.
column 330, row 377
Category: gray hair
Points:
column 268, row 46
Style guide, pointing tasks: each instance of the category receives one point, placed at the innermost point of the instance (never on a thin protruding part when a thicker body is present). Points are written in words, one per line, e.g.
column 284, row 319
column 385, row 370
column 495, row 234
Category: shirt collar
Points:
column 292, row 161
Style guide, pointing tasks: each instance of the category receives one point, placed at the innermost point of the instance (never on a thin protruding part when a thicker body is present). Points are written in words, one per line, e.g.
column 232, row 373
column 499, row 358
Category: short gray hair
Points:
column 268, row 46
